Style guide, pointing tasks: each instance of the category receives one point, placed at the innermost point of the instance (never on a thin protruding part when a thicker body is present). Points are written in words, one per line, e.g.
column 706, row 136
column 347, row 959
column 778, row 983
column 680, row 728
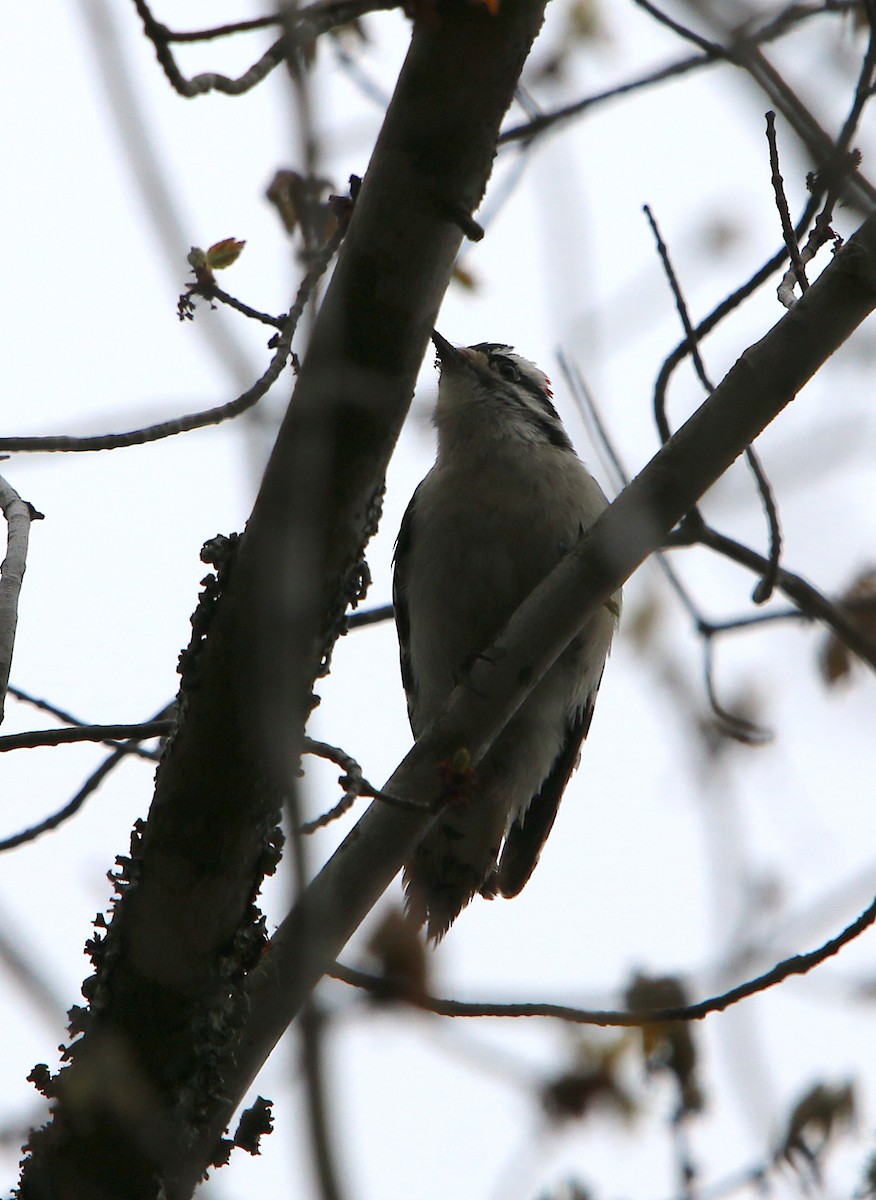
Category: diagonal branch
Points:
column 19, row 515
column 797, row 964
column 764, row 380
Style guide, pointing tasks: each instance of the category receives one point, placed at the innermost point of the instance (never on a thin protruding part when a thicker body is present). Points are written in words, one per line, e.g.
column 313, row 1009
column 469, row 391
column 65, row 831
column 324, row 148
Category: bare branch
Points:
column 84, row 733
column 793, row 15
column 712, row 49
column 797, row 964
column 18, row 514
column 764, row 380
column 766, row 584
column 353, row 782
column 764, row 589
column 730, row 723
column 808, row 599
column 88, row 788
column 282, row 342
column 211, row 291
column 747, row 54
column 798, row 270
column 307, row 24
column 92, row 783
column 63, row 715
column 370, row 616
column 311, row 1029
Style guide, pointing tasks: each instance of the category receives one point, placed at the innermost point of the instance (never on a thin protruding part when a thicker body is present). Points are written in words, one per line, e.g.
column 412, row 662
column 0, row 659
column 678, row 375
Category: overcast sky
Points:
column 664, row 858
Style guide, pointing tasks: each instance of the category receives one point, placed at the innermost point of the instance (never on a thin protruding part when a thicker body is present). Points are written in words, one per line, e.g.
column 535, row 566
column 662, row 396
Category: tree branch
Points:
column 797, row 964
column 763, row 381
column 84, row 733
column 18, row 514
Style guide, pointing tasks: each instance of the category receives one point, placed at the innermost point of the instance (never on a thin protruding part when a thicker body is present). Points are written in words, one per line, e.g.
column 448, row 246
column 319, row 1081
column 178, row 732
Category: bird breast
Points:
column 482, row 543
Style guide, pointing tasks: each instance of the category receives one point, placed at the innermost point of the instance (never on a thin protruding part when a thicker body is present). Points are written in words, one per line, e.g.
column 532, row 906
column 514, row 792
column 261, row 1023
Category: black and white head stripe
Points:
column 529, row 387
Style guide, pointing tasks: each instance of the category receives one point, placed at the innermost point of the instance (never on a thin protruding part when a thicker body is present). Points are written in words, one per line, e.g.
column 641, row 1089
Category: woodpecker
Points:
column 506, row 499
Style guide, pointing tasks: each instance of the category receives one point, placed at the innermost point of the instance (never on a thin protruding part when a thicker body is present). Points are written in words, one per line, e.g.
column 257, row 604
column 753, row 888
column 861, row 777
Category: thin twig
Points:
column 766, row 584
column 587, row 407
column 798, row 964
column 84, row 733
column 832, row 175
column 18, row 514
column 792, row 16
column 714, row 318
column 764, row 589
column 370, row 616
column 736, row 727
column 798, row 269
column 282, row 342
column 539, row 125
column 70, row 808
column 88, row 788
column 212, row 292
column 353, row 782
column 863, row 605
column 355, row 786
column 712, row 49
column 141, row 156
column 729, row 723
column 747, row 55
column 308, row 24
column 220, row 31
column 312, row 1039
column 69, row 719
column 808, row 599
column 690, row 333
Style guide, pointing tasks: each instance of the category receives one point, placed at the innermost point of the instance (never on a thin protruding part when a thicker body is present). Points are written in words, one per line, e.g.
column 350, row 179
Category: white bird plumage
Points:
column 506, row 499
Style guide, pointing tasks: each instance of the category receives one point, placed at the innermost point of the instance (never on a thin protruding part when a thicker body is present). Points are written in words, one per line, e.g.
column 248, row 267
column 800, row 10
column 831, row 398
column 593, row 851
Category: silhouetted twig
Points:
column 792, row 16
column 69, row 719
column 354, row 784
column 370, row 616
column 19, row 515
column 91, row 784
column 281, row 342
column 807, row 598
column 798, row 964
column 797, row 267
column 83, row 733
column 308, row 24
column 764, row 589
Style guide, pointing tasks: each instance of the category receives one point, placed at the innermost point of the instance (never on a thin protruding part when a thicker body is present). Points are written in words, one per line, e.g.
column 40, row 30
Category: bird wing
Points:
column 528, row 834
column 400, row 600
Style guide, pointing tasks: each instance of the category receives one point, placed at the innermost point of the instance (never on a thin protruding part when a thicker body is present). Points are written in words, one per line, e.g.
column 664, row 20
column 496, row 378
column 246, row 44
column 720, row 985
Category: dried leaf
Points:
column 592, row 1082
column 835, row 659
column 816, row 1119
column 401, row 957
column 466, row 279
column 669, row 1046
column 585, row 21
column 299, row 201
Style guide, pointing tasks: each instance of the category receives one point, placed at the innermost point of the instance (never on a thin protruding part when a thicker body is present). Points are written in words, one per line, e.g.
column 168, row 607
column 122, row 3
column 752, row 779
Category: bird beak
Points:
column 447, row 354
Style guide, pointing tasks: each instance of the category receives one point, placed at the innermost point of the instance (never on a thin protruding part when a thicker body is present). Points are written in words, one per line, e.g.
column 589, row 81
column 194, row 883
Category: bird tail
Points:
column 456, row 860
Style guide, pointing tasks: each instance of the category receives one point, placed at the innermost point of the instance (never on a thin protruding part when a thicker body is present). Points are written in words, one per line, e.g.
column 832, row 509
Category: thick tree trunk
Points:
column 165, row 1006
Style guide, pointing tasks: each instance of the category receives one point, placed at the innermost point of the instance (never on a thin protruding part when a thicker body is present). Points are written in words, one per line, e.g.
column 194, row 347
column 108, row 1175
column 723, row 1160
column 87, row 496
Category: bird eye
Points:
column 506, row 369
